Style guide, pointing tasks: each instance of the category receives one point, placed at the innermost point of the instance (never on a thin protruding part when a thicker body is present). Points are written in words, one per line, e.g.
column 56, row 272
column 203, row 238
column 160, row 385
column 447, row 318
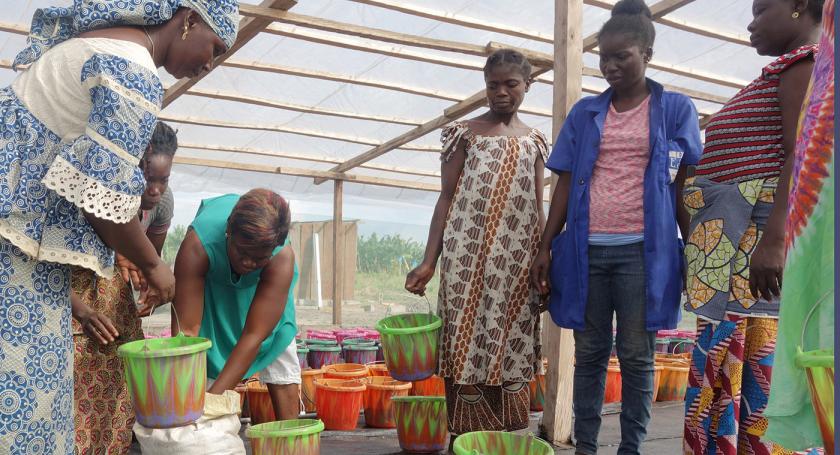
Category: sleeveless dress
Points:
column 490, row 335
column 227, row 301
column 75, row 124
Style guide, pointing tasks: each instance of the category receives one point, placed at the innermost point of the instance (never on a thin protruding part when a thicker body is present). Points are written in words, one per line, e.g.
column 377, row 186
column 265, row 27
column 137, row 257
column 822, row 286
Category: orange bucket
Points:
column 307, row 387
column 338, row 402
column 377, row 369
column 433, row 386
column 612, row 392
column 379, row 409
column 673, row 384
column 259, row 403
column 345, row 371
column 657, row 379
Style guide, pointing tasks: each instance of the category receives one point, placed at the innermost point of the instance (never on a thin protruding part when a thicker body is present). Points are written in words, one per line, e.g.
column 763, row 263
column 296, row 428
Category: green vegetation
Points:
column 173, row 242
column 389, row 254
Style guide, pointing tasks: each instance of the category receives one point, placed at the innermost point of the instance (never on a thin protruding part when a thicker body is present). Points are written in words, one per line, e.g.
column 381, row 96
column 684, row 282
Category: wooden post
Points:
column 559, row 346
column 338, row 252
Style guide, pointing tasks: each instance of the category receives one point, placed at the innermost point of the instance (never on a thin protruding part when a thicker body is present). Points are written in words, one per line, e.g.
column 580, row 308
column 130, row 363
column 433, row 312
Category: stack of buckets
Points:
column 410, row 347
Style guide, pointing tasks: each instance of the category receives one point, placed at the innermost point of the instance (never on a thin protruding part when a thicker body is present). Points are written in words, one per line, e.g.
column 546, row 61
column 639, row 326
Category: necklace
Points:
column 151, row 41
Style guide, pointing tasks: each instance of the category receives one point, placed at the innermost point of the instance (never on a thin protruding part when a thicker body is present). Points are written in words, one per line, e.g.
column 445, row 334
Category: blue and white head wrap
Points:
column 51, row 26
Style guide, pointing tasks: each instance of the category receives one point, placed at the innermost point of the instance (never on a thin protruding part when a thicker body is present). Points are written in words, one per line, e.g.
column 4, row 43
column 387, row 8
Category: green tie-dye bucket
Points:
column 410, row 345
column 166, row 378
column 422, row 424
column 287, row 437
column 500, row 443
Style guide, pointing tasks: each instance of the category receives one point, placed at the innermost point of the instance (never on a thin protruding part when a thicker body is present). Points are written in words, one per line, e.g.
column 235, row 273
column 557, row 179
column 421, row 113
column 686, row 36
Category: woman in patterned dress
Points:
column 735, row 250
column 106, row 316
column 75, row 124
column 485, row 229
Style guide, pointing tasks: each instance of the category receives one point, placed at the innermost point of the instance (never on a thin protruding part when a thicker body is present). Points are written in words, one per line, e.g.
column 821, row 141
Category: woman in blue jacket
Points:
column 621, row 162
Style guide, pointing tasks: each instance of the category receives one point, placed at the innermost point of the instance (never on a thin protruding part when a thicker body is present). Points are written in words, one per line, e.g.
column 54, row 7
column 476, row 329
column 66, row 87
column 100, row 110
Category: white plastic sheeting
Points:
column 388, row 209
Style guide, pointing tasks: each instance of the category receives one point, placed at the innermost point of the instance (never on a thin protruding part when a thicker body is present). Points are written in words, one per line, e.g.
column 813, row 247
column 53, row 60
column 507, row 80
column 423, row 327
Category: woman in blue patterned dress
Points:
column 75, row 123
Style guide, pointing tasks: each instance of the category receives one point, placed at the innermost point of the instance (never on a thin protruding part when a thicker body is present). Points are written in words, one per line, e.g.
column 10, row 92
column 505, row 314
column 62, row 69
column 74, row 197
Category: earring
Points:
column 186, row 29
column 795, row 15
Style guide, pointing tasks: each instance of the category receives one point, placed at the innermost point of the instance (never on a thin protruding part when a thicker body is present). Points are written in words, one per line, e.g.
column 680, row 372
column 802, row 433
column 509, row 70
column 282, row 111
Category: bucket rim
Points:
column 817, row 358
column 394, row 384
column 466, row 436
column 311, row 371
column 358, row 340
column 264, row 430
column 341, row 385
column 320, row 342
column 436, row 323
column 421, row 399
column 360, row 347
column 323, row 348
column 196, row 345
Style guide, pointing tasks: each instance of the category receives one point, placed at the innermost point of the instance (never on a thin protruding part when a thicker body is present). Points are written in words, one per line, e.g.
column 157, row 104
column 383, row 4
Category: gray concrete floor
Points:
column 664, row 435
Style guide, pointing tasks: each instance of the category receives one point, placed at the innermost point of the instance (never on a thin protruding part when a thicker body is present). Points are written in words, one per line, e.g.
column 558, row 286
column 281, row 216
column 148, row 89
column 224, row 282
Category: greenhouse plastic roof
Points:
column 300, row 95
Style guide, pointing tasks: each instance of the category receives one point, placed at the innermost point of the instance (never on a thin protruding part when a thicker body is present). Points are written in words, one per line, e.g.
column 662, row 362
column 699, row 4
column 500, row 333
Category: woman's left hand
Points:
column 767, row 265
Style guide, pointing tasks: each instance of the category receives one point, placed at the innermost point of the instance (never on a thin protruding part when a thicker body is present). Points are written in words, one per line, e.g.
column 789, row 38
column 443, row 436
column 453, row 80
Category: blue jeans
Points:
column 616, row 285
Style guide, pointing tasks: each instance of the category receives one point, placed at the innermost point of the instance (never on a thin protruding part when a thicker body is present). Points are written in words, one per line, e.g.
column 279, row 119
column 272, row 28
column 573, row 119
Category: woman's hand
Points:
column 96, row 325
column 767, row 264
column 539, row 272
column 147, row 302
column 161, row 281
column 130, row 272
column 416, row 280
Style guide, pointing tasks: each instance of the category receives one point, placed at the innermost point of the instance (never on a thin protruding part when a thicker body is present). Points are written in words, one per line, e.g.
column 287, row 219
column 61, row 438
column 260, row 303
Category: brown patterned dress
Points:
column 490, row 340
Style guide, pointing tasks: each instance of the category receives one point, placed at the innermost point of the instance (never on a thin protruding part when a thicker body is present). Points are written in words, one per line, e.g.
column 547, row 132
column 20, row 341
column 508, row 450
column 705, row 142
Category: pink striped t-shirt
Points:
column 615, row 196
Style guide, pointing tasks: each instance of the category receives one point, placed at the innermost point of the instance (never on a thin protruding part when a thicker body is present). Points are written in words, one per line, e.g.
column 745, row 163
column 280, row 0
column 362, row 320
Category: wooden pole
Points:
column 338, row 253
column 559, row 345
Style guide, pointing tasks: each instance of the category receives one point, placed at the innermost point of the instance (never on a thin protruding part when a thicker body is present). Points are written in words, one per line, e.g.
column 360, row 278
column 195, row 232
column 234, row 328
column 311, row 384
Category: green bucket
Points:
column 286, row 437
column 422, row 423
column 410, row 345
column 166, row 379
column 319, row 342
column 819, row 368
column 500, row 443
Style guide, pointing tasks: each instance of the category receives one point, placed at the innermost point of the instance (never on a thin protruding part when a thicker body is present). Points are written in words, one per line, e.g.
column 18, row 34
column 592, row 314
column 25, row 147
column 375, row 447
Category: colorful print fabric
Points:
column 727, row 220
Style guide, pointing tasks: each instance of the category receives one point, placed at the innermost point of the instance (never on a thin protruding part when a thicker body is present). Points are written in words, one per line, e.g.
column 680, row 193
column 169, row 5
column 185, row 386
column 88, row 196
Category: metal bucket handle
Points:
column 177, row 323
column 808, row 318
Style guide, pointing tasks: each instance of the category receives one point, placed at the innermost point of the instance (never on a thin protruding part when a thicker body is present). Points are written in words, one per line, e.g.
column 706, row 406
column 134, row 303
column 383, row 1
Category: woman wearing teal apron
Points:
column 235, row 273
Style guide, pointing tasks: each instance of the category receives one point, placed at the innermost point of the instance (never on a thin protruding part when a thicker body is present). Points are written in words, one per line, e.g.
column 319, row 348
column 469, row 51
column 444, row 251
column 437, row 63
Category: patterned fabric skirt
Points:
column 103, row 411
column 487, row 408
column 36, row 356
column 728, row 387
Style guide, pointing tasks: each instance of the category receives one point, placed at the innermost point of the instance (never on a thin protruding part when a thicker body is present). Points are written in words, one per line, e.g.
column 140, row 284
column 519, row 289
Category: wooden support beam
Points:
column 455, row 111
column 300, row 172
column 248, row 29
column 449, row 18
column 202, row 121
column 559, row 343
column 17, row 29
column 377, row 34
column 229, row 96
column 685, row 26
column 305, row 157
column 338, row 252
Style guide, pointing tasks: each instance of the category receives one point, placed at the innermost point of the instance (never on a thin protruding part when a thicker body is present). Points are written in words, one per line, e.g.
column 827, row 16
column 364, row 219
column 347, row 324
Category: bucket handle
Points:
column 428, row 303
column 808, row 318
column 674, row 351
column 177, row 322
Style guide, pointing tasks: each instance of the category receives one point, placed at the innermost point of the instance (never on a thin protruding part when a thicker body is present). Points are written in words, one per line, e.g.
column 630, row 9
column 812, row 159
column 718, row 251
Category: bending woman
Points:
column 236, row 273
column 75, row 123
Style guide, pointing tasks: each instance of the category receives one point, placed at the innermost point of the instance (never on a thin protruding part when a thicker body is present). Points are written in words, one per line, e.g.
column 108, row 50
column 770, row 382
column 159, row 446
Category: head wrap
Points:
column 51, row 26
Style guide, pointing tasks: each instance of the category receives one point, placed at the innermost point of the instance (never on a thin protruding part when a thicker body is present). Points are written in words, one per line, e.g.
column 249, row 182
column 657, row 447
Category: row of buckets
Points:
column 670, row 378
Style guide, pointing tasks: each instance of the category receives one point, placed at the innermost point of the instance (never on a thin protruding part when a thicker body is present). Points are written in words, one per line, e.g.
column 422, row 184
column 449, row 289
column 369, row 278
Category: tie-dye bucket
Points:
column 286, row 437
column 819, row 367
column 302, row 353
column 307, row 387
column 612, row 390
column 674, row 382
column 166, row 379
column 322, row 355
column 379, row 407
column 260, row 407
column 500, row 443
column 433, row 386
column 339, row 401
column 378, row 368
column 537, row 392
column 422, row 424
column 410, row 344
column 360, row 354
